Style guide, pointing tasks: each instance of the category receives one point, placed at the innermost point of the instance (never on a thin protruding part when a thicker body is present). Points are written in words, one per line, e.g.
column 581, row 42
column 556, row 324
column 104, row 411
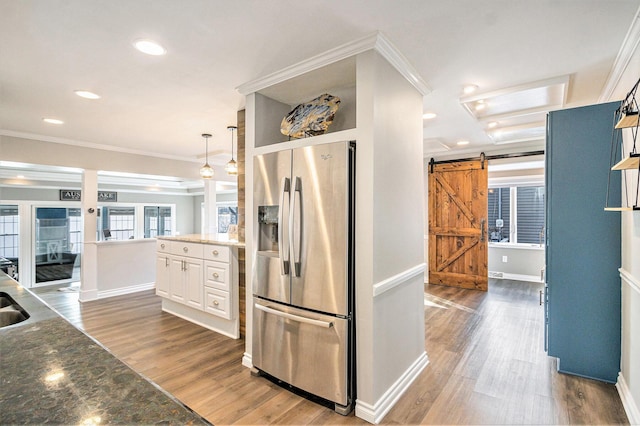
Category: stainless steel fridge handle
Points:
column 319, row 323
column 296, row 249
column 283, row 248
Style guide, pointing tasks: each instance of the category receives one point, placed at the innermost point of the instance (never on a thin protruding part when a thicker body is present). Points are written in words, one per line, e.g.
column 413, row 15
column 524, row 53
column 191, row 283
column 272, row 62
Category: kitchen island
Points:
column 54, row 373
column 197, row 276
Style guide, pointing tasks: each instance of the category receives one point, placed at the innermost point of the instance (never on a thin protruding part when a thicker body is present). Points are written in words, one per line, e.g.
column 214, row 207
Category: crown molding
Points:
column 376, row 41
column 91, row 145
column 625, row 54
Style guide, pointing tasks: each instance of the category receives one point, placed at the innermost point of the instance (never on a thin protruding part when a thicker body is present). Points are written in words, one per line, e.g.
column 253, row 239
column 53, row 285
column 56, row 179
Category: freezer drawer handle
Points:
column 283, row 248
column 319, row 323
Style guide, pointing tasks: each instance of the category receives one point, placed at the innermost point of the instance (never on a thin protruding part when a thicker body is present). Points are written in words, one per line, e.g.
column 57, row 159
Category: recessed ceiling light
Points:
column 492, row 124
column 149, row 47
column 52, row 121
column 86, row 94
column 462, row 143
column 469, row 89
column 429, row 115
column 20, row 176
column 480, row 105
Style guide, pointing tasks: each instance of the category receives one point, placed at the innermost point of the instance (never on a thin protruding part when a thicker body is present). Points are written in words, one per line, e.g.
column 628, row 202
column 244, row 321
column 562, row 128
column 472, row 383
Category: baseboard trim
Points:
column 126, row 290
column 629, row 404
column 521, row 277
column 398, row 279
column 375, row 413
column 247, row 360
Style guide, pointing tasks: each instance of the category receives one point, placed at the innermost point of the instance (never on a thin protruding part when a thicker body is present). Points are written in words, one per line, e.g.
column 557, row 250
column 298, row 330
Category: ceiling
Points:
column 560, row 52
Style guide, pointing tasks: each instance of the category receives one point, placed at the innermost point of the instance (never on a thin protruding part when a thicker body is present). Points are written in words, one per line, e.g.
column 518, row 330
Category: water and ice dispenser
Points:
column 268, row 227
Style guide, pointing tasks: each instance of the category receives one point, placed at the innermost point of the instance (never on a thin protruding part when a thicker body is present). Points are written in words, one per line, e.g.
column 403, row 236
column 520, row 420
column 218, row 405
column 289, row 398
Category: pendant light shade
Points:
column 231, row 167
column 206, row 171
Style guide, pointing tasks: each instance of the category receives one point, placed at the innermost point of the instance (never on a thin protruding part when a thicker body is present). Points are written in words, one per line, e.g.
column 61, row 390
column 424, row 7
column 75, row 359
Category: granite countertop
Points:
column 54, row 373
column 219, row 239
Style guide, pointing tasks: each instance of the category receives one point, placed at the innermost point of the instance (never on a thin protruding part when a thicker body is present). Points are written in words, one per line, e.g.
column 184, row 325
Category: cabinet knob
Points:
column 215, row 302
column 185, row 249
column 161, row 245
column 216, row 275
column 215, row 252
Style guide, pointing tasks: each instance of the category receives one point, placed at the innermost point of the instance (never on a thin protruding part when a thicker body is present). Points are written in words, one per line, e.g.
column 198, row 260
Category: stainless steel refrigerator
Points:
column 303, row 281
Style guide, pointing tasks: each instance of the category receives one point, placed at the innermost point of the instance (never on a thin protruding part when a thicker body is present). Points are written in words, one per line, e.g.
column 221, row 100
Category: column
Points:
column 210, row 219
column 89, row 259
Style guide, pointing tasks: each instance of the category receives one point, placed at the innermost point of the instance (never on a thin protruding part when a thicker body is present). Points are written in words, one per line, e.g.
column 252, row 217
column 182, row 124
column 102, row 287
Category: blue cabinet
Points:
column 583, row 243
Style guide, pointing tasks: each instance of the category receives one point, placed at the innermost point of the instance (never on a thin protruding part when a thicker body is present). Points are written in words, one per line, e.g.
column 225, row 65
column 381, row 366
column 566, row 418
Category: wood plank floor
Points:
column 487, row 363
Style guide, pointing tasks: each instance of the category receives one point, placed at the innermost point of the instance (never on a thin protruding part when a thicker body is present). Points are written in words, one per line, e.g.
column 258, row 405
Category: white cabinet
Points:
column 185, row 280
column 162, row 274
column 193, row 282
column 202, row 277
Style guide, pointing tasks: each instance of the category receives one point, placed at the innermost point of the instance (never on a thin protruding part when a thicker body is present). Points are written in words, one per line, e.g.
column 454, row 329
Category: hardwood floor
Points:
column 487, row 363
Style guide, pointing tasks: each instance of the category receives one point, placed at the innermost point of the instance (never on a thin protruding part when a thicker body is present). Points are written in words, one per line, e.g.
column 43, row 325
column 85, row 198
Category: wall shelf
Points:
column 625, row 117
column 630, row 119
column 630, row 162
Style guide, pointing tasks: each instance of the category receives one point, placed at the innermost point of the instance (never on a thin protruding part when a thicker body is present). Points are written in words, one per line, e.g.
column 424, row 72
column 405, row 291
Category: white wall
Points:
column 629, row 379
column 125, row 266
column 184, row 203
column 523, row 263
column 389, row 244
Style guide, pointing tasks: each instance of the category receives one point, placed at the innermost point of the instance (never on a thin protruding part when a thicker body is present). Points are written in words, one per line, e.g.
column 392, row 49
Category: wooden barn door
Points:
column 458, row 224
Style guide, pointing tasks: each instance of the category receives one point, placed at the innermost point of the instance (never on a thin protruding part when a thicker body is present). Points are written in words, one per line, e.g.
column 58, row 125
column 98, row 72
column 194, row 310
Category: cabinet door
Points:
column 193, row 279
column 162, row 275
column 177, row 282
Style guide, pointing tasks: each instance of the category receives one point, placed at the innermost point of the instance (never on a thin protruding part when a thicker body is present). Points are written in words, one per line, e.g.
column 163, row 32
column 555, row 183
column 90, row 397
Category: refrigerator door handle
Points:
column 319, row 323
column 283, row 248
column 296, row 211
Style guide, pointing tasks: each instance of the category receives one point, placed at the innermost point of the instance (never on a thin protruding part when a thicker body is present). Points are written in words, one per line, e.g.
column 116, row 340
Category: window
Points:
column 516, row 215
column 75, row 230
column 118, row 223
column 157, row 221
column 9, row 228
column 9, row 240
column 498, row 216
column 227, row 215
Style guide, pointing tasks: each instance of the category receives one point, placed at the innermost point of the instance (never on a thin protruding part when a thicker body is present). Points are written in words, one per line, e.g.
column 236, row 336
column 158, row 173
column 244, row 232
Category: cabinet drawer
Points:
column 217, row 302
column 180, row 248
column 217, row 275
column 217, row 253
column 163, row 246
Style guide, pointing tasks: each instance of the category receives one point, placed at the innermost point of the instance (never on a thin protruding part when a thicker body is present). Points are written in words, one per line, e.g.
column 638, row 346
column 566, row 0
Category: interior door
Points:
column 457, row 224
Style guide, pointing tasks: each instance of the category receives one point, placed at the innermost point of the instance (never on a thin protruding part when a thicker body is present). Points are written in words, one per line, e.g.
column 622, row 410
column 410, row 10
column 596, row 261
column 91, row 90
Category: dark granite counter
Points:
column 52, row 372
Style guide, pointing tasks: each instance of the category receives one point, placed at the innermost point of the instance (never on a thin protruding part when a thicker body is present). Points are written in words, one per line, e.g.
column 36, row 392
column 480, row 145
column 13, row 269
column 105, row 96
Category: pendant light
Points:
column 232, row 166
column 206, row 171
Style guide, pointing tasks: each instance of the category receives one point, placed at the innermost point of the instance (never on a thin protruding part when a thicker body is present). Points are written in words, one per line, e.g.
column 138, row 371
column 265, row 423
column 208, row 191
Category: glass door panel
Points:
column 58, row 244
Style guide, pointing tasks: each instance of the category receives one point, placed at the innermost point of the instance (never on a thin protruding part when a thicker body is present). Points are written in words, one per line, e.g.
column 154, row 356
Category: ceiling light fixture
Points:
column 469, row 89
column 492, row 124
column 149, row 47
column 52, row 121
column 429, row 115
column 86, row 94
column 206, row 171
column 462, row 143
column 480, row 105
column 232, row 166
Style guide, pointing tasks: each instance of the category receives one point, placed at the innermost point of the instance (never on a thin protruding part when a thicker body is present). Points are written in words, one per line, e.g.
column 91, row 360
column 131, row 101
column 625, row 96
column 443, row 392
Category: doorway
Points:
column 57, row 245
